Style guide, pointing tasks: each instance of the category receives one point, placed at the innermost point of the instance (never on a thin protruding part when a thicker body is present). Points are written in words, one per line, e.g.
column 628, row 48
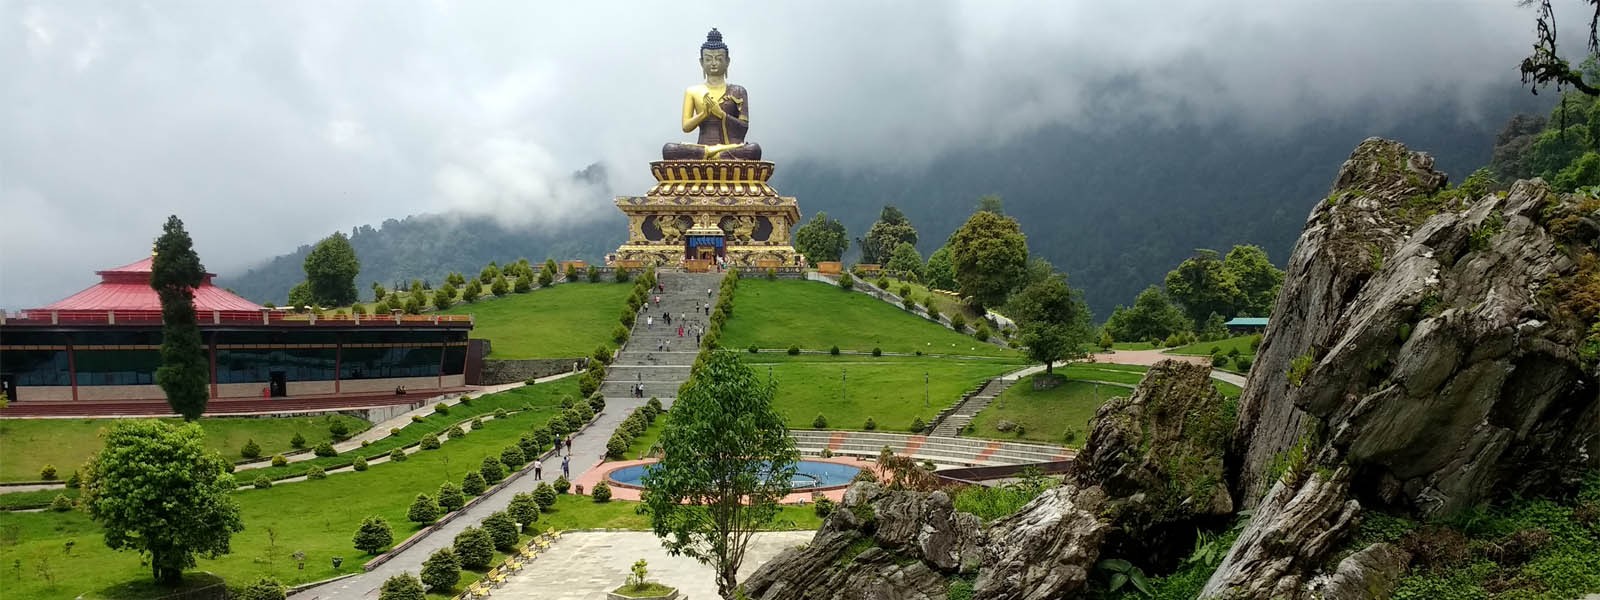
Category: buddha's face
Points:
column 714, row 62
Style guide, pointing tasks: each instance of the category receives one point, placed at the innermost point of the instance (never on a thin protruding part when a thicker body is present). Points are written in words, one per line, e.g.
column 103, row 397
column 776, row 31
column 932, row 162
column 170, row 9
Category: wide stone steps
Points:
column 648, row 358
column 950, row 451
column 674, row 358
column 651, row 388
column 647, row 372
column 952, row 424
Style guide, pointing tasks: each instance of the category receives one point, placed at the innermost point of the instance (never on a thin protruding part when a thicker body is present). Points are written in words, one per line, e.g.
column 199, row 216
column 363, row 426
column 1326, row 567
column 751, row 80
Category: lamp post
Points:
column 925, row 389
column 843, row 377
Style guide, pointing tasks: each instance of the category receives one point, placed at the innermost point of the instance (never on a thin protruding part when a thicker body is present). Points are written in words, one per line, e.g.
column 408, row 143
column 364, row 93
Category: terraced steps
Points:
column 941, row 450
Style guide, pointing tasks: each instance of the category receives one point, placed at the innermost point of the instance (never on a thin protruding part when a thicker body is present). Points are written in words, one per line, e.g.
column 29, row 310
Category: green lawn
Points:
column 816, row 316
column 888, row 389
column 1059, row 415
column 1240, row 343
column 947, row 305
column 27, row 445
column 562, row 321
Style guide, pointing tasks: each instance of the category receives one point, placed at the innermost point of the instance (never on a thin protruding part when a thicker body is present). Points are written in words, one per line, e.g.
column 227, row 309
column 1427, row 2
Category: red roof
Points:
column 128, row 288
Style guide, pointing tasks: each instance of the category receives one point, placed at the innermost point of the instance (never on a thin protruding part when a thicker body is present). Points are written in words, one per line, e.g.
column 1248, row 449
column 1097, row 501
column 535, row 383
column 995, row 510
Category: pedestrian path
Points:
column 584, row 565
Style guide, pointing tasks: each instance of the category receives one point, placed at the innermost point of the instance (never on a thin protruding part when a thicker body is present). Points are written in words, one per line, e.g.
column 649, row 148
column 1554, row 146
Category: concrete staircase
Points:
column 951, row 425
column 944, row 451
column 655, row 355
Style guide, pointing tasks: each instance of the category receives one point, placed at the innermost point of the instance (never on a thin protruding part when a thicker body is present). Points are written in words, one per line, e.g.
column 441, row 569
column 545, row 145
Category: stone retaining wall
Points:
column 496, row 372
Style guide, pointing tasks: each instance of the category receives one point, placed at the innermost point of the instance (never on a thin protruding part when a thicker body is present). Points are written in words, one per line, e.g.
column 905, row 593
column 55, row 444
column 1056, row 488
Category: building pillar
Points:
column 211, row 351
column 338, row 361
column 72, row 368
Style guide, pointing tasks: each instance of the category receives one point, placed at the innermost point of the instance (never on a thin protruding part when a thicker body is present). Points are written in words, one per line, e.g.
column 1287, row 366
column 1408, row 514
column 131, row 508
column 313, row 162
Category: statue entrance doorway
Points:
column 703, row 247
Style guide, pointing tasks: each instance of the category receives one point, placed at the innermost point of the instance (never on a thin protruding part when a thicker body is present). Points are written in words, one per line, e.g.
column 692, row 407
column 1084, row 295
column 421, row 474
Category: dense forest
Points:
column 1115, row 207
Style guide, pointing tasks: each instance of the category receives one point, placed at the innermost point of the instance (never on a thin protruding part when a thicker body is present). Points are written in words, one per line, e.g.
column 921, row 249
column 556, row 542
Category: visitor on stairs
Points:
column 649, row 321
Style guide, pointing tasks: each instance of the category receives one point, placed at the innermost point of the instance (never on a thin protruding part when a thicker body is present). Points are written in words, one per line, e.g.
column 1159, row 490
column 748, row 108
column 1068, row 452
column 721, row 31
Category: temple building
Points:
column 104, row 342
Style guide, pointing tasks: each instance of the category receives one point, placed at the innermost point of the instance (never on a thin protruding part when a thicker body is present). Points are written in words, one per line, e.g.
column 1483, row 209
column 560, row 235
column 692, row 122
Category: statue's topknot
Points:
column 713, row 41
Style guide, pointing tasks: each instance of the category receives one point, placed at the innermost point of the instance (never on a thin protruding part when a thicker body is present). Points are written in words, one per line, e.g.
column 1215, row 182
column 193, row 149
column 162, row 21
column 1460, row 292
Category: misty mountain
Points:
column 1114, row 207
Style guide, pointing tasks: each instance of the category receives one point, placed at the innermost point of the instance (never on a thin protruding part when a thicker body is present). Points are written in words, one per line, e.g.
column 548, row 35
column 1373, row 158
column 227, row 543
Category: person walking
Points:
column 649, row 321
column 708, row 293
column 658, row 300
column 569, row 445
column 538, row 469
column 680, row 330
column 565, row 461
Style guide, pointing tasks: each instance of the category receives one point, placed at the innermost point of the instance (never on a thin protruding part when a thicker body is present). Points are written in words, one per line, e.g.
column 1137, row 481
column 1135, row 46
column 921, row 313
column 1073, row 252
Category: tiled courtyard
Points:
column 586, row 565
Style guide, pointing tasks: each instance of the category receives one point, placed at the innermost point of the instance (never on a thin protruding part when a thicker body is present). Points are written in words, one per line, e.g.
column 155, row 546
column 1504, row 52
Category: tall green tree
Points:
column 1152, row 316
column 939, row 273
column 185, row 373
column 990, row 256
column 156, row 489
column 726, row 462
column 906, row 260
column 1203, row 285
column 1258, row 281
column 1052, row 319
column 990, row 203
column 331, row 270
column 822, row 239
column 891, row 230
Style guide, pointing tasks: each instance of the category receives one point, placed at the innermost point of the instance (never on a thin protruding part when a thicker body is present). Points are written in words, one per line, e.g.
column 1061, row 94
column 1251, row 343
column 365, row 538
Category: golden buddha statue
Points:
column 720, row 110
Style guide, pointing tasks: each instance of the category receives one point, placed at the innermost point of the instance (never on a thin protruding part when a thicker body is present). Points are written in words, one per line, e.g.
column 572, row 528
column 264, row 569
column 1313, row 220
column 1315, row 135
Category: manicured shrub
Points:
column 870, row 425
column 834, row 350
column 48, row 473
column 250, row 449
column 473, row 483
column 397, row 455
column 502, row 530
column 450, row 498
column 316, row 473
column 492, row 470
column 442, row 571
column 621, row 275
column 61, row 503
column 262, row 482
column 794, row 350
column 601, row 492
column 512, row 457
column 298, row 441
column 523, row 509
column 882, row 283
column 404, row 586
column 360, row 464
column 423, row 510
column 958, row 322
column 500, row 413
column 339, row 429
column 905, row 291
column 365, row 443
column 263, row 588
column 1218, row 360
column 753, row 349
column 823, row 507
column 373, row 535
column 876, row 351
column 617, row 446
column 562, row 485
column 545, row 495
column 983, row 334
column 414, row 419
column 474, row 548
column 1242, row 364
column 325, row 449
column 278, row 460
column 1005, row 426
column 820, row 422
column 541, row 436
column 597, row 403
column 75, row 481
column 430, row 442
column 455, row 432
column 917, row 425
column 477, row 424
column 528, row 447
column 654, row 404
column 846, row 281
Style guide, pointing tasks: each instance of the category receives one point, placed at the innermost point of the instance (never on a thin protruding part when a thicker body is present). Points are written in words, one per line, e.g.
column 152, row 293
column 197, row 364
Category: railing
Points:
column 230, row 317
column 976, row 474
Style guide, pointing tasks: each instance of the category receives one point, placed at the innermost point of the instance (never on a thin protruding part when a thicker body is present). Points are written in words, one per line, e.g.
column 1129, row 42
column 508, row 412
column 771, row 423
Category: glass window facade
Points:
column 117, row 367
column 35, row 367
column 257, row 365
column 373, row 363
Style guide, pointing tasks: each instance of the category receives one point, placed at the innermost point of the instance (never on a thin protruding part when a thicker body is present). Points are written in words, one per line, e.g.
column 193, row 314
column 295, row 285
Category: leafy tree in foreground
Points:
column 156, row 489
column 474, row 548
column 441, row 571
column 713, row 489
column 990, row 256
column 175, row 272
column 402, row 587
column 1053, row 319
column 822, row 239
column 331, row 270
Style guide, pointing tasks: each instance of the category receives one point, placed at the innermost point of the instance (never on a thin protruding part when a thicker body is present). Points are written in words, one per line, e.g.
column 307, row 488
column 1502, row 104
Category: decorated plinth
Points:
column 702, row 210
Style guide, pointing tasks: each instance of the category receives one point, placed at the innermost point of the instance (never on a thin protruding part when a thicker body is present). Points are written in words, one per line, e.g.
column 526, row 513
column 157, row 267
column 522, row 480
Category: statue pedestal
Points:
column 701, row 210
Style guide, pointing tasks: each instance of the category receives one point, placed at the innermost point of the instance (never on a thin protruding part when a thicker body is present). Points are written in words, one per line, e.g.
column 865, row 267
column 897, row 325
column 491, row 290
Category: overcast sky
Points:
column 266, row 125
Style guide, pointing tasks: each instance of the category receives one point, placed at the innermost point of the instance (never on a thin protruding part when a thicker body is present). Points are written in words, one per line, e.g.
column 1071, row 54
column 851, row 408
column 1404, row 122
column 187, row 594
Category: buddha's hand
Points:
column 713, row 106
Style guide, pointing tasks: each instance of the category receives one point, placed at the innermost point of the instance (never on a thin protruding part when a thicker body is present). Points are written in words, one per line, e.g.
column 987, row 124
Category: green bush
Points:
column 298, row 442
column 442, row 571
column 982, row 333
column 48, row 473
column 325, row 449
column 373, row 535
column 594, row 274
column 870, row 425
column 404, row 586
column 602, row 492
column 958, row 321
column 492, row 469
column 876, row 351
column 823, row 507
column 441, row 409
column 316, row 473
column 617, row 446
column 512, row 457
column 846, row 281
column 820, row 422
column 250, row 450
column 562, row 485
column 834, row 350
column 360, row 464
column 338, row 429
column 263, row 588
column 502, row 530
column 74, row 481
column 917, row 425
column 524, row 509
column 61, row 503
column 474, row 548
column 1218, row 360
column 753, row 349
column 455, row 432
column 477, row 424
column 794, row 350
column 1242, row 364
column 450, row 497
column 619, row 335
column 905, row 292
column 423, row 510
column 429, row 442
column 397, row 455
column 545, row 496
column 473, row 484
column 882, row 283
column 262, row 482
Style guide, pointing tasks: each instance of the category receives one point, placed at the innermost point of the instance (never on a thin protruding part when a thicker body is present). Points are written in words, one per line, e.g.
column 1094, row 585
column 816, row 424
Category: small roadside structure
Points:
column 1239, row 325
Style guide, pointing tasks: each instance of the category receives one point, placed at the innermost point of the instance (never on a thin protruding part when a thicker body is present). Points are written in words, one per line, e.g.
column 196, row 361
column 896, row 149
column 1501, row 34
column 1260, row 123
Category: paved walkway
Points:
column 586, row 565
column 1150, row 357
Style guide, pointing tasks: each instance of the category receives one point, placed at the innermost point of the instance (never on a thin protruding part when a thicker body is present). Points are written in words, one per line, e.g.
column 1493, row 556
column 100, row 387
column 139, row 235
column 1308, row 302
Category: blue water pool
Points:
column 808, row 474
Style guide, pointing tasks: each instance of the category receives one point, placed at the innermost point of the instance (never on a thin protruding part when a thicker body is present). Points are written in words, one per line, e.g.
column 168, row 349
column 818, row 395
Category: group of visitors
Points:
column 566, row 459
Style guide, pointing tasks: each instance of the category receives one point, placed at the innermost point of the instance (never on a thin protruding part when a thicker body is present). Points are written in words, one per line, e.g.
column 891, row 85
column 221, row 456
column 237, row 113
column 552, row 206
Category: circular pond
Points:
column 808, row 475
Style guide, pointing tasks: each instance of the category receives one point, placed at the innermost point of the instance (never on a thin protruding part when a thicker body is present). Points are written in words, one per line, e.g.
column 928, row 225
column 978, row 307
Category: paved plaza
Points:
column 586, row 565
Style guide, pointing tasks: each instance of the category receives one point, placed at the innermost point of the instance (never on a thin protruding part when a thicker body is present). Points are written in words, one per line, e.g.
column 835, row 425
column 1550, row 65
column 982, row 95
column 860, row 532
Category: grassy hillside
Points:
column 561, row 321
column 816, row 316
column 848, row 389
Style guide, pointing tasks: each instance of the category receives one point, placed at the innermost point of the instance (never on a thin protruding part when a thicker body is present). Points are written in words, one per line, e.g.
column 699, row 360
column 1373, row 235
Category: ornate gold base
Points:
column 673, row 255
column 704, row 209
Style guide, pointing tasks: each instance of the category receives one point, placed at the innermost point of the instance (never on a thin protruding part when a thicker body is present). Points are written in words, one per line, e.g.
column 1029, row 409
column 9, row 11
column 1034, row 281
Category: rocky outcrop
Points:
column 1371, row 572
column 1046, row 550
column 1158, row 454
column 1294, row 529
